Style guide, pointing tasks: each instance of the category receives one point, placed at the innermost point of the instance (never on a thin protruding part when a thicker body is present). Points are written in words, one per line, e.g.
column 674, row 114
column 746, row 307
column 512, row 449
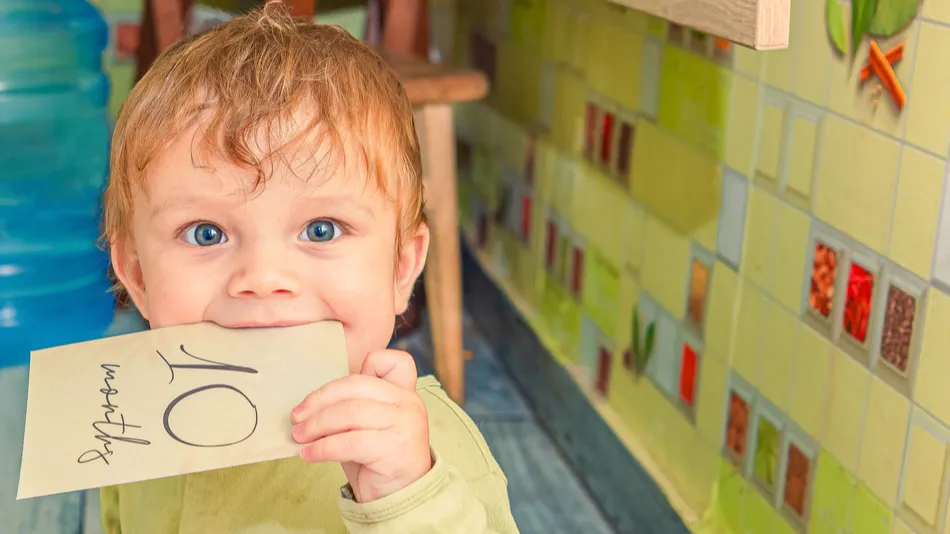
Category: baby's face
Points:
column 299, row 250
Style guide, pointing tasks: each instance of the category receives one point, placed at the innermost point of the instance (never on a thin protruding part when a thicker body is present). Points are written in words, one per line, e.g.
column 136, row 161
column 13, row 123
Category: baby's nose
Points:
column 264, row 274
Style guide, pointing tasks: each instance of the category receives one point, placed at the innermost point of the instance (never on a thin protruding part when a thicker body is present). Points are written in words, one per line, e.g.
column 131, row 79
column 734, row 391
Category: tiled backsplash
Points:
column 772, row 222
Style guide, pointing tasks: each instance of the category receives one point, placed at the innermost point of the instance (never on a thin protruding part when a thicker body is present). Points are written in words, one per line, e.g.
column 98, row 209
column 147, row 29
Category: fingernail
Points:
column 296, row 432
column 296, row 413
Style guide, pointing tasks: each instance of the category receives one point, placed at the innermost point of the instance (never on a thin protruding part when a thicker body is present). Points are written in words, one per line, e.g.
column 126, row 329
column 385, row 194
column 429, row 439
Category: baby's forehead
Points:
column 304, row 160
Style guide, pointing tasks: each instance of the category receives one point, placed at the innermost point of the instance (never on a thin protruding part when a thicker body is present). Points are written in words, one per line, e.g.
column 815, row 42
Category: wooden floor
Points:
column 545, row 495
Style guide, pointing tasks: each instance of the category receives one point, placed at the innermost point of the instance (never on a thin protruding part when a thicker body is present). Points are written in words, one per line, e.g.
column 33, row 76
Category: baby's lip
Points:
column 264, row 324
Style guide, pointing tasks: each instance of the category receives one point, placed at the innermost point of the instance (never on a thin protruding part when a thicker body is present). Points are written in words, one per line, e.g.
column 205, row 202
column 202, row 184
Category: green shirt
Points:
column 465, row 492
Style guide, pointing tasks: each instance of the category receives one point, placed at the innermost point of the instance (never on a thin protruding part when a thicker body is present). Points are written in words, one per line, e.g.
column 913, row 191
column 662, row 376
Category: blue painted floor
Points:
column 546, row 497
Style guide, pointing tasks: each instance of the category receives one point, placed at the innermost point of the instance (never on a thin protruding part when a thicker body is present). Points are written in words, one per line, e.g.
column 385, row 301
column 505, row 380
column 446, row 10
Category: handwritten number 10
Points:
column 207, row 365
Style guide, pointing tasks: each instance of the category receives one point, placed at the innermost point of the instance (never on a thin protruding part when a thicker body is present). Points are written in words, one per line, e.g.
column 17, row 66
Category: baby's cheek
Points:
column 175, row 299
column 371, row 331
column 368, row 320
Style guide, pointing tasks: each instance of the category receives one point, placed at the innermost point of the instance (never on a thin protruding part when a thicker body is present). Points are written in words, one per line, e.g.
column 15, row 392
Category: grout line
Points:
column 795, row 41
column 827, row 111
column 793, row 98
column 815, row 183
column 889, row 240
column 900, row 156
column 909, row 83
column 943, row 227
column 902, row 142
column 862, row 431
column 901, row 476
column 935, row 22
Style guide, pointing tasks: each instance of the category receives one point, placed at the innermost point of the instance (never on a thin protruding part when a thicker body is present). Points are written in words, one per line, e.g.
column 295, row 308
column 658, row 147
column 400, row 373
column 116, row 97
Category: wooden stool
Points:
column 433, row 89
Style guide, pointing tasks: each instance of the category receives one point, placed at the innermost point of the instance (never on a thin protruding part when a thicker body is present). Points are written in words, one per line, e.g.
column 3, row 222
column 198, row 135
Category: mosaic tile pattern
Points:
column 775, row 221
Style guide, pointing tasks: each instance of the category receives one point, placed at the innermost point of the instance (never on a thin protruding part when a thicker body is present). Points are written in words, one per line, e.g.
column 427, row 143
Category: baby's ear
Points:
column 411, row 260
column 128, row 269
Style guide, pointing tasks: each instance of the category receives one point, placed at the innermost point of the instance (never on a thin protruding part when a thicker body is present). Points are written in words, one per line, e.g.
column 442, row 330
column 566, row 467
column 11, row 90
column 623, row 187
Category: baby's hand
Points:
column 373, row 423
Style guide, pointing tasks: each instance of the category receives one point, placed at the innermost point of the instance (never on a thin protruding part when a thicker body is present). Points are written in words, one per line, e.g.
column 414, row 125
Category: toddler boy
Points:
column 267, row 173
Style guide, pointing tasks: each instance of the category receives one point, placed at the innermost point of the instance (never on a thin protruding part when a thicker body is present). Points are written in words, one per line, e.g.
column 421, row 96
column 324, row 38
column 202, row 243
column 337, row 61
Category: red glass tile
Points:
column 823, row 272
column 797, row 479
column 126, row 40
column 857, row 308
column 737, row 425
column 590, row 130
column 688, row 376
column 529, row 161
column 625, row 149
column 526, row 217
column 550, row 244
column 577, row 276
column 603, row 371
column 607, row 138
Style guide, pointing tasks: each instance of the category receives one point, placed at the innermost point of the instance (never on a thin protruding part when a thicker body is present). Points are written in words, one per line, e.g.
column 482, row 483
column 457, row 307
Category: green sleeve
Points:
column 441, row 501
column 109, row 510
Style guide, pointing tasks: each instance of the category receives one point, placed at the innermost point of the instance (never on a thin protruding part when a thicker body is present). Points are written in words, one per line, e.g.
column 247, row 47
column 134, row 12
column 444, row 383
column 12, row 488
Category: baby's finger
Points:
column 348, row 387
column 394, row 366
column 364, row 447
column 345, row 416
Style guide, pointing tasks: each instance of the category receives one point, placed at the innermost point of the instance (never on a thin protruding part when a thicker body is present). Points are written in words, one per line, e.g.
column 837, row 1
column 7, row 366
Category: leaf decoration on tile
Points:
column 892, row 16
column 641, row 354
column 836, row 26
column 862, row 11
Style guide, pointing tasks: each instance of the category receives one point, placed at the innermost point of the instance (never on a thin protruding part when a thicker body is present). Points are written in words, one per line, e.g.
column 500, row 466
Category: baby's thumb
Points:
column 394, row 366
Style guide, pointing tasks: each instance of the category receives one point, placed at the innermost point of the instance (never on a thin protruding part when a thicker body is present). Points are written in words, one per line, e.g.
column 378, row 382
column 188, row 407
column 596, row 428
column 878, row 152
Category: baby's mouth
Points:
column 263, row 324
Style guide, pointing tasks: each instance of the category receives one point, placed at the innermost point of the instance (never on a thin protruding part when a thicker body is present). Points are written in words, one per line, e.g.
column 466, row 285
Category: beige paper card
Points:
column 169, row 402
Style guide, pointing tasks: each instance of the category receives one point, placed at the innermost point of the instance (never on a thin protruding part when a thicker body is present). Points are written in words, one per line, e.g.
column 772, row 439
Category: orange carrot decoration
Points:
column 893, row 56
column 882, row 68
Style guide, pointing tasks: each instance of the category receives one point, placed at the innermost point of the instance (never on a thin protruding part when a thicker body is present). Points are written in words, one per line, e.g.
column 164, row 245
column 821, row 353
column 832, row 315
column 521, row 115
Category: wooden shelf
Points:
column 758, row 24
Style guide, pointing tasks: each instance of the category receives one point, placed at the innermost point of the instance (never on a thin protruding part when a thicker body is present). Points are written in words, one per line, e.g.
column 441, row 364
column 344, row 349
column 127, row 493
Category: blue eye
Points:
column 321, row 231
column 204, row 235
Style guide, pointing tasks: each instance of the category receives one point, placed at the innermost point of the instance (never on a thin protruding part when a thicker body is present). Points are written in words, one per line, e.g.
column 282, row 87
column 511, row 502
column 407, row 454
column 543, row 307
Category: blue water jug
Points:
column 54, row 154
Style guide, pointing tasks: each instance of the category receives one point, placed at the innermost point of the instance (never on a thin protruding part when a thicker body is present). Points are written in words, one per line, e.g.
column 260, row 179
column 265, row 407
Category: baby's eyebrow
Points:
column 181, row 202
column 340, row 202
column 315, row 203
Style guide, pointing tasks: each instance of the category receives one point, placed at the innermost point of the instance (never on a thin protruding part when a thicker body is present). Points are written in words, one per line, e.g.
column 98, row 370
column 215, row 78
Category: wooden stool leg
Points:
column 443, row 273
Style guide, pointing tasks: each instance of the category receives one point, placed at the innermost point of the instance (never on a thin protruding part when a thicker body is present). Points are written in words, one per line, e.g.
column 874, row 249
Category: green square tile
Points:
column 765, row 466
column 871, row 515
column 526, row 22
column 561, row 315
column 694, row 97
column 760, row 515
column 601, row 294
column 731, row 492
column 486, row 173
column 831, row 496
column 656, row 26
column 121, row 78
column 780, row 526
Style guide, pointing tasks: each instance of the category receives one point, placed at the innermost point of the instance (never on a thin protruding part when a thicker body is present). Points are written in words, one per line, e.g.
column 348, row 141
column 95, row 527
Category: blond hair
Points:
column 247, row 78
